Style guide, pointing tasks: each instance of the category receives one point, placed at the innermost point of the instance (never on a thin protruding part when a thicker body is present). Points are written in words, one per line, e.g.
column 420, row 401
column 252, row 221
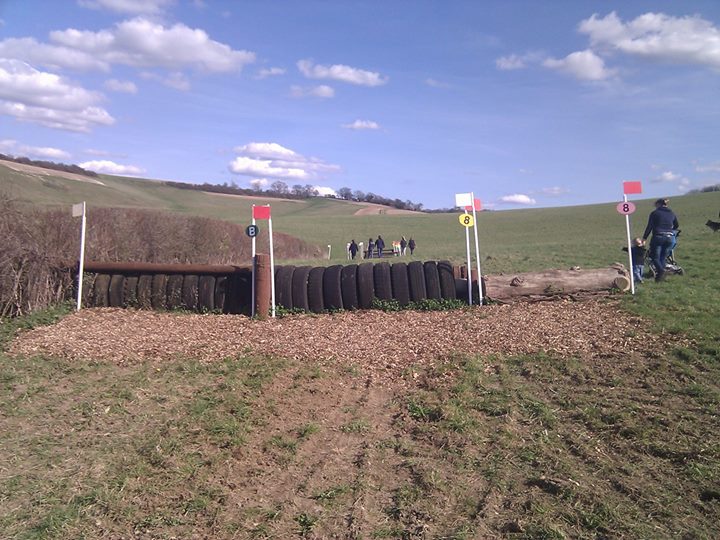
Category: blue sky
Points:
column 526, row 103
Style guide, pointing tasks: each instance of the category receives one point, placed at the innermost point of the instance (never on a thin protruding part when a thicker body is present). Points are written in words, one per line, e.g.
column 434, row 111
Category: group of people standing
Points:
column 664, row 226
column 375, row 247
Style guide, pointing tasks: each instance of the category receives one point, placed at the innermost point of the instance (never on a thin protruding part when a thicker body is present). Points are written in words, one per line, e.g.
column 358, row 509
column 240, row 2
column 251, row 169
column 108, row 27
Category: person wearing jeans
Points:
column 663, row 223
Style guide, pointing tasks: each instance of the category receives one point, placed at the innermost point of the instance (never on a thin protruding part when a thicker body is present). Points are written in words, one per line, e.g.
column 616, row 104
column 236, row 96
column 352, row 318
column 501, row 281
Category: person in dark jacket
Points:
column 662, row 223
column 403, row 245
column 371, row 248
column 379, row 245
column 353, row 248
column 411, row 245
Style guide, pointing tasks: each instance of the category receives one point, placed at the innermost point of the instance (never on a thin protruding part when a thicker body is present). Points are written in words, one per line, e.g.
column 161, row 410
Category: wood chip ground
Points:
column 382, row 345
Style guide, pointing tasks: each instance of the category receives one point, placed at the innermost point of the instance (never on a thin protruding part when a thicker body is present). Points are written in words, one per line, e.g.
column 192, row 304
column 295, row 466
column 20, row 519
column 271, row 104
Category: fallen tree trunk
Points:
column 556, row 282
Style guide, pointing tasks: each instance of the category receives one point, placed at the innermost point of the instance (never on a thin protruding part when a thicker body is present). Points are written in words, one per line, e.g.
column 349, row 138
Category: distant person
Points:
column 379, row 246
column 403, row 246
column 353, row 248
column 411, row 245
column 371, row 247
column 637, row 255
column 662, row 223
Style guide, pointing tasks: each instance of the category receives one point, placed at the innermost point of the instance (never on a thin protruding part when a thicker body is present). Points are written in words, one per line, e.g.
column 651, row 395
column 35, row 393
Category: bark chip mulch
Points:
column 377, row 342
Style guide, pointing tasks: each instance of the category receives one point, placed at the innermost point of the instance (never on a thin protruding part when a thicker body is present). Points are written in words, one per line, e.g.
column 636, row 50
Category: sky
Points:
column 525, row 103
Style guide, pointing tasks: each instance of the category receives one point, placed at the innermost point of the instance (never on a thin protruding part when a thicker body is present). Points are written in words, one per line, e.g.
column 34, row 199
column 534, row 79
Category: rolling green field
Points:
column 529, row 447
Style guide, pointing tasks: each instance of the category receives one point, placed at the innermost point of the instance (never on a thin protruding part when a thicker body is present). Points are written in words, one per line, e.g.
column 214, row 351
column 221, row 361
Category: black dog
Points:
column 714, row 225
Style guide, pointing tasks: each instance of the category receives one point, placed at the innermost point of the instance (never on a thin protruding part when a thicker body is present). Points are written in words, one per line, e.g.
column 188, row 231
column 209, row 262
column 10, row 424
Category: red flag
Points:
column 631, row 188
column 477, row 204
column 261, row 212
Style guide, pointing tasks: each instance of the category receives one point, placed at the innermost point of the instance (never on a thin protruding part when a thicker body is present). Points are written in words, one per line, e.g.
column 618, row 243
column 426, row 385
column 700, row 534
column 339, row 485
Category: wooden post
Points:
column 263, row 280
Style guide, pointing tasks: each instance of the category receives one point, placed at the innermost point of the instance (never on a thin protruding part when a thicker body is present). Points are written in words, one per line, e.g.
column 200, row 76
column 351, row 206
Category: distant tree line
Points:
column 50, row 165
column 280, row 189
column 706, row 189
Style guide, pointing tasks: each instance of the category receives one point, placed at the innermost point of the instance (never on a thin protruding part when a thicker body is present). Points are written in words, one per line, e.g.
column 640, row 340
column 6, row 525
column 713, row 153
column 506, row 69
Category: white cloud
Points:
column 434, row 83
column 110, row 167
column 138, row 7
column 711, row 167
column 339, row 72
column 554, row 191
column 125, row 87
column 362, row 124
column 667, row 176
column 656, row 36
column 584, row 65
column 510, row 62
column 7, row 145
column 322, row 91
column 45, row 152
column 48, row 99
column 683, row 185
column 274, row 161
column 517, row 198
column 324, row 191
column 175, row 80
column 137, row 42
column 270, row 72
column 259, row 183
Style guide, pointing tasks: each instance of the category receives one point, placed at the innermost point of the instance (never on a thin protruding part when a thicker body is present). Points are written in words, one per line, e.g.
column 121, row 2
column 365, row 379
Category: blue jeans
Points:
column 638, row 272
column 660, row 246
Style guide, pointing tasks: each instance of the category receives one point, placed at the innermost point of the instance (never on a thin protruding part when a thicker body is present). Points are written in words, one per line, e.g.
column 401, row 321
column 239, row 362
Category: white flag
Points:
column 77, row 209
column 463, row 199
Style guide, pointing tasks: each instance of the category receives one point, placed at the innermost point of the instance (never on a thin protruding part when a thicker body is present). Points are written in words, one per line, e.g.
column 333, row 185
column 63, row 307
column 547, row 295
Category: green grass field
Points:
column 532, row 447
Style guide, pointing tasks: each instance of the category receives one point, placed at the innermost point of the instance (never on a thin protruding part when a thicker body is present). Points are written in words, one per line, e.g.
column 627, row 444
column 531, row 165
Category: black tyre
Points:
column 221, row 283
column 316, row 302
column 283, row 286
column 130, row 292
column 416, row 279
column 159, row 294
column 332, row 289
column 348, row 286
column 100, row 290
column 115, row 292
column 174, row 291
column 365, row 285
column 144, row 291
column 300, row 288
column 400, row 285
column 383, row 281
column 206, row 294
column 461, row 289
column 432, row 280
column 447, row 280
column 190, row 292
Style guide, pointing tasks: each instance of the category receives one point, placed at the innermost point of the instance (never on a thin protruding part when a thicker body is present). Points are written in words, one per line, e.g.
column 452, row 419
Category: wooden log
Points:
column 556, row 282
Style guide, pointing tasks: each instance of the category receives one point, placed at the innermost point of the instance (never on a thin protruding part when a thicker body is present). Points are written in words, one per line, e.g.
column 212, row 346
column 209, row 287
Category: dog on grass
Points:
column 714, row 225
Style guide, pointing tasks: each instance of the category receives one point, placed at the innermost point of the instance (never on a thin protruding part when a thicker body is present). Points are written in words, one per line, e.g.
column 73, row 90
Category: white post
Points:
column 329, row 251
column 629, row 244
column 272, row 269
column 477, row 248
column 469, row 265
column 81, row 265
column 252, row 308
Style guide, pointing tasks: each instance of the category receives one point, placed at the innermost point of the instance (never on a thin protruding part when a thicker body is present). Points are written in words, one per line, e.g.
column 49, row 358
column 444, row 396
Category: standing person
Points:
column 379, row 245
column 662, row 223
column 353, row 248
column 371, row 247
column 637, row 254
column 403, row 246
column 411, row 245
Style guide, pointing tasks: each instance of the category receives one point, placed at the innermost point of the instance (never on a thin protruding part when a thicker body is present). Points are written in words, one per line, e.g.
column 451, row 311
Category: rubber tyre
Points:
column 115, row 291
column 174, row 291
column 130, row 292
column 283, row 286
column 432, row 280
column 383, row 281
column 447, row 280
column 144, row 291
column 190, row 292
column 221, row 284
column 300, row 288
column 416, row 279
column 348, row 286
column 365, row 285
column 332, row 289
column 461, row 289
column 316, row 301
column 100, row 290
column 158, row 298
column 206, row 294
column 400, row 283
